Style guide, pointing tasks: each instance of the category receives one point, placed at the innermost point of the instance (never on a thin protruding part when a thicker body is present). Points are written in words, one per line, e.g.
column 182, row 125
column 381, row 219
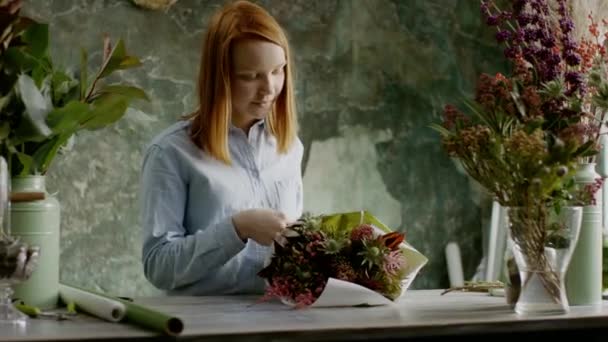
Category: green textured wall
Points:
column 371, row 76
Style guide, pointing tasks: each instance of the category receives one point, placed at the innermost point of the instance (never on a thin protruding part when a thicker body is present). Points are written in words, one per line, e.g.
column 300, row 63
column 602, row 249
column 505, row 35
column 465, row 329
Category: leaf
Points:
column 67, row 118
column 442, row 130
column 37, row 39
column 4, row 100
column 521, row 108
column 26, row 161
column 45, row 154
column 344, row 222
column 5, row 130
column 118, row 60
column 128, row 91
column 586, row 149
column 62, row 85
column 37, row 106
column 129, row 62
column 479, row 113
column 108, row 109
column 19, row 60
column 84, row 58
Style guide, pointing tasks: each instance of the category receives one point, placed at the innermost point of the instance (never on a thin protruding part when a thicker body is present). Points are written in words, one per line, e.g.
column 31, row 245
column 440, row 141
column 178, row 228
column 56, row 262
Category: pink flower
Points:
column 362, row 232
column 393, row 262
column 280, row 287
column 305, row 299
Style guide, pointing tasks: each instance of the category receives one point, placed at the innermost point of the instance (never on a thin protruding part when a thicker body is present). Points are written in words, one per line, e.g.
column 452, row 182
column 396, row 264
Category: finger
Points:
column 281, row 215
column 282, row 226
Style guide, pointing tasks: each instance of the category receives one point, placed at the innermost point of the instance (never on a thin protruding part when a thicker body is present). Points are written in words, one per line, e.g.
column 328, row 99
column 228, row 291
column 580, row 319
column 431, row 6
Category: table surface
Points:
column 419, row 313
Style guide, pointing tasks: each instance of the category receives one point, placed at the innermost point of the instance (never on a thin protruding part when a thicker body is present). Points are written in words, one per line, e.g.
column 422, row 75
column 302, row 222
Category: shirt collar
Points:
column 260, row 124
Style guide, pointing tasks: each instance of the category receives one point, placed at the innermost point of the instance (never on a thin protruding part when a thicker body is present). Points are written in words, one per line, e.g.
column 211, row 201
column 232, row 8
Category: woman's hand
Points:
column 260, row 225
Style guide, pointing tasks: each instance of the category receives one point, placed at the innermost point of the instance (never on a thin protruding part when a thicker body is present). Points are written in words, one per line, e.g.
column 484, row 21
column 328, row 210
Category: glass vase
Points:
column 543, row 241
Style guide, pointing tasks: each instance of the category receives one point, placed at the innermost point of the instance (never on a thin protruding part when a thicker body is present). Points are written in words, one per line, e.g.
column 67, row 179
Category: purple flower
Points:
column 573, row 77
column 551, row 74
column 544, row 54
column 566, row 25
column 524, row 19
column 530, row 52
column 510, row 52
column 569, row 44
column 540, row 6
column 530, row 34
column 575, row 80
column 544, row 35
column 492, row 20
column 554, row 59
column 548, row 42
column 504, row 15
column 502, row 36
column 518, row 5
column 562, row 7
column 485, row 8
column 572, row 58
column 519, row 36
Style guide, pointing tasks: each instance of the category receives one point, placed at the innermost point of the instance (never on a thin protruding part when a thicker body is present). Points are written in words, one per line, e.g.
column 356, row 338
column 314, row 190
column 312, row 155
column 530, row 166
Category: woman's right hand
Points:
column 260, row 225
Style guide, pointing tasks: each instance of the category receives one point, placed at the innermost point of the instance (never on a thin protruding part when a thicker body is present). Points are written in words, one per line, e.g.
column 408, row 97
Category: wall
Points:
column 371, row 76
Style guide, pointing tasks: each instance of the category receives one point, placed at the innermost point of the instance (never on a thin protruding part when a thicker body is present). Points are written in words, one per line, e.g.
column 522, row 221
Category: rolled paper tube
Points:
column 140, row 315
column 454, row 262
column 26, row 196
column 105, row 308
column 152, row 319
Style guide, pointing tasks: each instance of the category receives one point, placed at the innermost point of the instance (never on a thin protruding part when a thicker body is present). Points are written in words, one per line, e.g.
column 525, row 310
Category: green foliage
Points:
column 42, row 107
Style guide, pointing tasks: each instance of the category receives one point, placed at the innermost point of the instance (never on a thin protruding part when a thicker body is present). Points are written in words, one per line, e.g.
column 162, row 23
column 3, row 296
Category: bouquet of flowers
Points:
column 340, row 259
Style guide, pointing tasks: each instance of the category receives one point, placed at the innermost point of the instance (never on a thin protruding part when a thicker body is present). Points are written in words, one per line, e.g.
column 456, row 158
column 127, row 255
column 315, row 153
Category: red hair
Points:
column 238, row 20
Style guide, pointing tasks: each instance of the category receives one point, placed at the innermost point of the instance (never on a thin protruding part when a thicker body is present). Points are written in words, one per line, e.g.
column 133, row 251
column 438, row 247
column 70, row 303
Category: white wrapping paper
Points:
column 102, row 307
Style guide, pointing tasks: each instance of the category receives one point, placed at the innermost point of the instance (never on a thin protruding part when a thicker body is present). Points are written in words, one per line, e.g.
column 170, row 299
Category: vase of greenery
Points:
column 41, row 109
column 525, row 135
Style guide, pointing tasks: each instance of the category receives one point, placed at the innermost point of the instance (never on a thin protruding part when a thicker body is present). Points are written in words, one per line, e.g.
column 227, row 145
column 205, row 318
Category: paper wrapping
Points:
column 98, row 306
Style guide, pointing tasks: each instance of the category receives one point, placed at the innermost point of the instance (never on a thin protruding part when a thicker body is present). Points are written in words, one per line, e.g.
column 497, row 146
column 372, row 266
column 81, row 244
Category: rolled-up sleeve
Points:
column 171, row 257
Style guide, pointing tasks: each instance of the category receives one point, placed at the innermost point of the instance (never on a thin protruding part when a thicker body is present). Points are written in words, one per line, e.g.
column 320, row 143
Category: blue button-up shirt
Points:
column 190, row 246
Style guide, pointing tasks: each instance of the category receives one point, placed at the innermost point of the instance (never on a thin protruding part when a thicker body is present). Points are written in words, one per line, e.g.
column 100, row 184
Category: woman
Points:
column 220, row 186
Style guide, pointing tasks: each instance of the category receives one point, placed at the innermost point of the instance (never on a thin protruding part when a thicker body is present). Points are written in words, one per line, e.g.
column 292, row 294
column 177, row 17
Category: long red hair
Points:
column 238, row 20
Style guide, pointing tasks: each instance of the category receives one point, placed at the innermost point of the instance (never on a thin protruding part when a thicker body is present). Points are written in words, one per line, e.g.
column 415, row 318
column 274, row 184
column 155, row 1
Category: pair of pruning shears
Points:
column 35, row 312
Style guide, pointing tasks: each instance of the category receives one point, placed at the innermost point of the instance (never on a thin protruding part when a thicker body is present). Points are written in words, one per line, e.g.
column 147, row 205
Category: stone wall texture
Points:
column 372, row 75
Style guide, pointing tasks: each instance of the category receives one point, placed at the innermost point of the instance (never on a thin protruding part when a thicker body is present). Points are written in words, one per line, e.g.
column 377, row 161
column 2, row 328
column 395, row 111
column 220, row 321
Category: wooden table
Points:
column 419, row 314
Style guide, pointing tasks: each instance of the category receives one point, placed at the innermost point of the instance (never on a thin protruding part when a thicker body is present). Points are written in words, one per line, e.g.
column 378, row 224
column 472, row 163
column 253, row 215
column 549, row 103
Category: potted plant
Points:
column 41, row 109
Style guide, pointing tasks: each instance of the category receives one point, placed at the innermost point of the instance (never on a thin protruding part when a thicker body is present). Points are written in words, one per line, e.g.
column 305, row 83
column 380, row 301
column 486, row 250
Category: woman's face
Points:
column 258, row 76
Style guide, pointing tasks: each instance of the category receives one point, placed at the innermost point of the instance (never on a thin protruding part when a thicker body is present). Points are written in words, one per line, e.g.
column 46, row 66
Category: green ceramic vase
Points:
column 584, row 277
column 37, row 224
